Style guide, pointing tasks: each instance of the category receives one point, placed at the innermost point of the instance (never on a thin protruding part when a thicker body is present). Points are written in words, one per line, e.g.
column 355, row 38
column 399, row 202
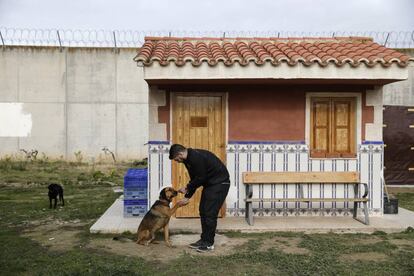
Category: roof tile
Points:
column 292, row 50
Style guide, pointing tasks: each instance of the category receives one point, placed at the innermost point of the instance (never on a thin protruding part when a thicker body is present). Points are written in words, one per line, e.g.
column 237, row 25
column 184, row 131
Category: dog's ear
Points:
column 162, row 194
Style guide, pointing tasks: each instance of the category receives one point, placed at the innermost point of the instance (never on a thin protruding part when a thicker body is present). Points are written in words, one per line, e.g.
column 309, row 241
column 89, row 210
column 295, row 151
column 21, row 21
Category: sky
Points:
column 204, row 15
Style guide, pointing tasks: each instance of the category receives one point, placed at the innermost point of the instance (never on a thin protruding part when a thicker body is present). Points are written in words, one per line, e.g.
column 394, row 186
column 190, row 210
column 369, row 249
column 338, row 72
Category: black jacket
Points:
column 205, row 169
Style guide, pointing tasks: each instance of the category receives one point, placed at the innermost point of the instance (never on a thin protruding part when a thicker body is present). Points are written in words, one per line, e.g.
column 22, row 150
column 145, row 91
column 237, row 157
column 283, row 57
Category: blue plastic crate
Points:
column 135, row 202
column 136, row 178
column 137, row 175
column 135, row 193
column 135, row 210
column 131, row 184
column 135, row 207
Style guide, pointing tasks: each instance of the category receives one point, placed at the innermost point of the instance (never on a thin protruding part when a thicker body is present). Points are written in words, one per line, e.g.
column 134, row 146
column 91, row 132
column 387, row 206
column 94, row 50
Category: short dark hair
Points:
column 175, row 150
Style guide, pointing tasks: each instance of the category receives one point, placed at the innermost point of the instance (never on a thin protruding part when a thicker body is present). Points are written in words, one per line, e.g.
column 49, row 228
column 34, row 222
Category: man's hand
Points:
column 183, row 202
column 183, row 190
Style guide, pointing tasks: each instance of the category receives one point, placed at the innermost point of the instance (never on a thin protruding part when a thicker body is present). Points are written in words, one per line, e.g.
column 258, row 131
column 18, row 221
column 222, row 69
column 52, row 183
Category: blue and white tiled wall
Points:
column 283, row 156
column 159, row 168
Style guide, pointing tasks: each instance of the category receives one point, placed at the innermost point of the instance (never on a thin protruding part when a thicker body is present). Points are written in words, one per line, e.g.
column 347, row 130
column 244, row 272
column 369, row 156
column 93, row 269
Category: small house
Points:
column 270, row 104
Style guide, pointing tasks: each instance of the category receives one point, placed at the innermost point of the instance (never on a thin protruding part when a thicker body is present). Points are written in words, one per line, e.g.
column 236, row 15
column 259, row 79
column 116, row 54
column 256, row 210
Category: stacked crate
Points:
column 135, row 192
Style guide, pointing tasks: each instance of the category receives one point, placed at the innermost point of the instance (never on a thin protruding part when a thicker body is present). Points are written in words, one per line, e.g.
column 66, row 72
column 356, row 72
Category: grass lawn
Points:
column 35, row 240
column 405, row 196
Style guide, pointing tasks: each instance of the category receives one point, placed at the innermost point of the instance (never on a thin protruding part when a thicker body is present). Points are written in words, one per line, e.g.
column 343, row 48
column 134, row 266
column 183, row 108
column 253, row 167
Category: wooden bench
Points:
column 266, row 178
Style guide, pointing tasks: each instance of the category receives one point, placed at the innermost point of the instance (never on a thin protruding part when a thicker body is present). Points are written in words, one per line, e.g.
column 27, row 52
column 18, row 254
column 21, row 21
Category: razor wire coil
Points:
column 135, row 38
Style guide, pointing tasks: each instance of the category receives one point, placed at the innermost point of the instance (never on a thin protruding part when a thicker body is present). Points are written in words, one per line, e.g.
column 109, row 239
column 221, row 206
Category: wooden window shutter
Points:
column 320, row 121
column 332, row 127
column 343, row 129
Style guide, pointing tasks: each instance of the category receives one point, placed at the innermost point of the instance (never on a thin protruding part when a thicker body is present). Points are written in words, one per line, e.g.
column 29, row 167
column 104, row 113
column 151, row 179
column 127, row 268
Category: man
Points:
column 205, row 169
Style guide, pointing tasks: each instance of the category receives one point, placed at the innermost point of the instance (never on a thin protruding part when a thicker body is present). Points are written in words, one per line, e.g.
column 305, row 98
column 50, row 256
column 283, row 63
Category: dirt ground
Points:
column 55, row 235
column 159, row 251
column 65, row 235
column 289, row 245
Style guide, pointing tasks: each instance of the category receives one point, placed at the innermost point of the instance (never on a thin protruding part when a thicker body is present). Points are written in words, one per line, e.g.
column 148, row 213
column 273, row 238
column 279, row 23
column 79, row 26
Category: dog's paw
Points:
column 169, row 244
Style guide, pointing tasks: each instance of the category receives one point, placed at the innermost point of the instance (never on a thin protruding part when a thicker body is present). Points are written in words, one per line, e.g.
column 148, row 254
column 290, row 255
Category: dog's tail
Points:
column 61, row 198
column 121, row 238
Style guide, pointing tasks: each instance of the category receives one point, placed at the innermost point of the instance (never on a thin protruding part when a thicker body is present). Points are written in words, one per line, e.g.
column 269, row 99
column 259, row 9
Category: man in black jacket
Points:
column 207, row 170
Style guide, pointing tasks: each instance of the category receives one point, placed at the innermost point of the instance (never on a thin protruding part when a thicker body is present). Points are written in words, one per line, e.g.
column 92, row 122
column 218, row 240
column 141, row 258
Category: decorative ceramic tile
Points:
column 257, row 156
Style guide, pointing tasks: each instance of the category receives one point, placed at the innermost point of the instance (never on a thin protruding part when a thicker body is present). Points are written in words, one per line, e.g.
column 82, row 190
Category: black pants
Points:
column 212, row 198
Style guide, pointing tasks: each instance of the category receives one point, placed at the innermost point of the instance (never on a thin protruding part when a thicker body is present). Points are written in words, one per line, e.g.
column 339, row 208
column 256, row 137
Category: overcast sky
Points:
column 257, row 15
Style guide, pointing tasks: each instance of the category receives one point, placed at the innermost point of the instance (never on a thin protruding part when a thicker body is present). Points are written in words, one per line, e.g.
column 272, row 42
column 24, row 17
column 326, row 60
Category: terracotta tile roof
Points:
column 308, row 51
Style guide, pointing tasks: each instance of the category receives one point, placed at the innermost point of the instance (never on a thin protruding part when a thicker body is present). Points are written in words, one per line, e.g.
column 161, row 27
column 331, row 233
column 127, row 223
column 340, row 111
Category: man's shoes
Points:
column 205, row 248
column 196, row 245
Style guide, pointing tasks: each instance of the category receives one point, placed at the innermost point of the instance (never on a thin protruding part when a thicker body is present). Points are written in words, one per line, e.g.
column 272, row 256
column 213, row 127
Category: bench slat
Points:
column 306, row 199
column 300, row 177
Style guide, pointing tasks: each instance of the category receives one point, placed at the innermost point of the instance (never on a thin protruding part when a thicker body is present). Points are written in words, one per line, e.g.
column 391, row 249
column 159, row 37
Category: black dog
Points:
column 55, row 190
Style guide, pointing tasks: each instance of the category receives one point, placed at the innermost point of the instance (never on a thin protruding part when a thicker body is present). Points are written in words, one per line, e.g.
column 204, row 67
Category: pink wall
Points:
column 266, row 113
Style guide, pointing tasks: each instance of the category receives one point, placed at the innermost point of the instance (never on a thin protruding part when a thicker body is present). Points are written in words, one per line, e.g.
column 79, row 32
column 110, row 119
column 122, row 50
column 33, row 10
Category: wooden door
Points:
column 198, row 122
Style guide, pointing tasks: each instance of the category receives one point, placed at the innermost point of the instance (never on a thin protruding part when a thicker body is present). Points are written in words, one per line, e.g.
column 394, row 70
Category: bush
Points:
column 140, row 163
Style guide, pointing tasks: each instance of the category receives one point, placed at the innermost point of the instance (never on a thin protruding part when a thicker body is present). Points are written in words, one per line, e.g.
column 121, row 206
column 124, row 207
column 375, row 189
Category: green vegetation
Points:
column 406, row 200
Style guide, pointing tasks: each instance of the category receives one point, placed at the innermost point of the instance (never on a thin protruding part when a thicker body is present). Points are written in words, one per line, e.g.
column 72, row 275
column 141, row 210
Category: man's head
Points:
column 178, row 153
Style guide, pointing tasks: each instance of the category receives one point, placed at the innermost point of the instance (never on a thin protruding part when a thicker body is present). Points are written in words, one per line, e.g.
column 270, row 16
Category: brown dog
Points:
column 157, row 217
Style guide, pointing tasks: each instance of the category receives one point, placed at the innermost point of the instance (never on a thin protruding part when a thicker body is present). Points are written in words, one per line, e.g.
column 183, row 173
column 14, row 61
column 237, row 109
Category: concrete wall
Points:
column 78, row 99
column 158, row 130
column 373, row 130
column 402, row 92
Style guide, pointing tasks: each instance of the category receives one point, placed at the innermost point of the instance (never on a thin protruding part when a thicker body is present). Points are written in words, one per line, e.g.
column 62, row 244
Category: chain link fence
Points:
column 134, row 38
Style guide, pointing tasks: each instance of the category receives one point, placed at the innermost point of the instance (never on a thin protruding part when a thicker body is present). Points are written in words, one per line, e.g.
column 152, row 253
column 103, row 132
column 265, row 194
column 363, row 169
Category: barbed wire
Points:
column 135, row 38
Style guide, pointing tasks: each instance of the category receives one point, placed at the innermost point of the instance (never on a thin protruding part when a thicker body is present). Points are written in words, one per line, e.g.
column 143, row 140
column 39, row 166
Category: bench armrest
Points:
column 366, row 190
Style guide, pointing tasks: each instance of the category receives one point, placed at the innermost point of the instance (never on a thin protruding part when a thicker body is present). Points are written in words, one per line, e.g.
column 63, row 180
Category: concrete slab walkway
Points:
column 112, row 221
